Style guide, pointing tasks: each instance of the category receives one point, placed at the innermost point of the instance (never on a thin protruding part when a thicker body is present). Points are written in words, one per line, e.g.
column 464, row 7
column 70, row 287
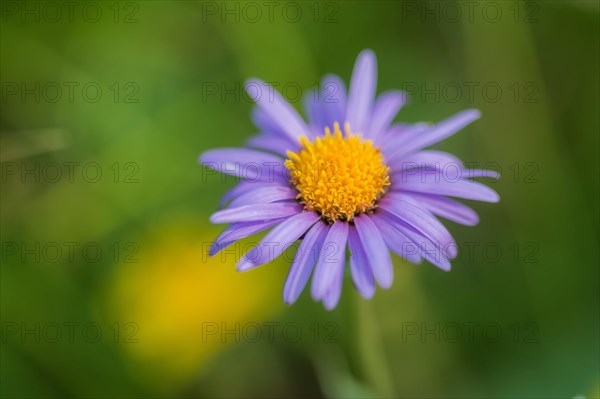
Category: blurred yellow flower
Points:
column 185, row 305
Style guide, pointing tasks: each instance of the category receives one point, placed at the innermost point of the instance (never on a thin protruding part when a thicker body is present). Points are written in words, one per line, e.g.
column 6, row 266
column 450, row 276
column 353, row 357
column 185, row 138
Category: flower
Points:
column 370, row 189
column 168, row 352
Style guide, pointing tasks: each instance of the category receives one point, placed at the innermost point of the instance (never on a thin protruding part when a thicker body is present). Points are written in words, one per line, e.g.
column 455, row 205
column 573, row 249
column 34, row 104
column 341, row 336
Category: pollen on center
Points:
column 338, row 175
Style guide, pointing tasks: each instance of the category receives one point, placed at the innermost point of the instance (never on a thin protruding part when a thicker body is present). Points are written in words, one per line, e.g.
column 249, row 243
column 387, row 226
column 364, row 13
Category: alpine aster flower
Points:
column 347, row 179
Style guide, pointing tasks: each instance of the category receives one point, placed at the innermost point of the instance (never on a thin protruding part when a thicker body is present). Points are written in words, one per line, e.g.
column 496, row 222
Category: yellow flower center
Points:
column 339, row 176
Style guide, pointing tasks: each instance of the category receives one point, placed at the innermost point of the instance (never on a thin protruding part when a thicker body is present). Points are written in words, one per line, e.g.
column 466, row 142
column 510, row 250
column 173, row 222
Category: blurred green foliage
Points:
column 170, row 75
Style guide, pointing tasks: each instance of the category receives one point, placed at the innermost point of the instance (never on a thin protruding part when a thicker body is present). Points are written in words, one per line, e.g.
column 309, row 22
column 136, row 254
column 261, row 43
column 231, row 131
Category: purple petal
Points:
column 385, row 110
column 278, row 240
column 362, row 276
column 283, row 115
column 395, row 240
column 429, row 159
column 263, row 121
column 439, row 132
column 237, row 190
column 362, row 91
column 429, row 250
column 489, row 174
column 256, row 213
column 397, row 137
column 448, row 245
column 446, row 208
column 263, row 195
column 376, row 250
column 331, row 260
column 243, row 187
column 245, row 163
column 328, row 105
column 277, row 144
column 315, row 113
column 333, row 99
column 423, row 182
column 420, row 220
column 237, row 231
column 332, row 296
column 304, row 262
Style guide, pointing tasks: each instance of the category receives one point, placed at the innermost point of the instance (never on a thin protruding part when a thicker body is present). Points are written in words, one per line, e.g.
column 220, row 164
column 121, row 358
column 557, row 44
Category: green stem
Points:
column 373, row 364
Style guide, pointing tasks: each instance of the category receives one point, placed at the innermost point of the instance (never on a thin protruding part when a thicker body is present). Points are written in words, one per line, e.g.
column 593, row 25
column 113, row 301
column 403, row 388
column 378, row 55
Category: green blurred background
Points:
column 105, row 287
